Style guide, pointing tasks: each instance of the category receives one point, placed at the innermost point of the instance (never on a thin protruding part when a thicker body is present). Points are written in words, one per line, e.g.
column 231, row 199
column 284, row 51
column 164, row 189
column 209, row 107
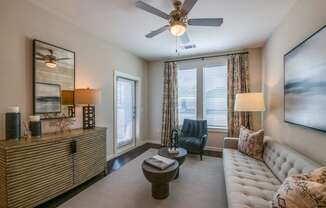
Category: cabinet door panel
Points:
column 90, row 157
column 3, row 182
column 38, row 173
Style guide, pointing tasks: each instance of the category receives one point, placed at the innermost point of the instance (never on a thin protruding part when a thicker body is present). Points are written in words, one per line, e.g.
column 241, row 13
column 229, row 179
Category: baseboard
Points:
column 143, row 142
column 210, row 148
column 139, row 143
column 215, row 149
column 110, row 157
column 153, row 141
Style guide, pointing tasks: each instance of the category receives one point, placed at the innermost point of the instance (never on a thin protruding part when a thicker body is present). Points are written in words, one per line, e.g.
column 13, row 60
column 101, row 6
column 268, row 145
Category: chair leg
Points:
column 201, row 156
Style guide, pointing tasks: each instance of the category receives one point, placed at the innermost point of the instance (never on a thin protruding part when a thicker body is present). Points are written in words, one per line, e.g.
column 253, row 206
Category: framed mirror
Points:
column 53, row 81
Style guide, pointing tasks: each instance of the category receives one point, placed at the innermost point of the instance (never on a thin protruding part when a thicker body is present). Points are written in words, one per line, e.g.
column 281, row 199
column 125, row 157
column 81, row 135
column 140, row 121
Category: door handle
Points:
column 73, row 147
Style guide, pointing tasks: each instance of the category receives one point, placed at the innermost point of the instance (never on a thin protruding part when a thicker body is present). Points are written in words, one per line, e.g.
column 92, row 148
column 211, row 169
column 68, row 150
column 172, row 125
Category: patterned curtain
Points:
column 170, row 102
column 238, row 82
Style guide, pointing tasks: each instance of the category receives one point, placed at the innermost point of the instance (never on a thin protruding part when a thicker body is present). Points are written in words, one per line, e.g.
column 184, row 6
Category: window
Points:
column 202, row 92
column 215, row 96
column 187, row 94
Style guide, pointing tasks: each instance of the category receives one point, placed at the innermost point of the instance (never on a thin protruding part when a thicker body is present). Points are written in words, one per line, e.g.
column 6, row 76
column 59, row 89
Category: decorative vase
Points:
column 35, row 128
column 13, row 125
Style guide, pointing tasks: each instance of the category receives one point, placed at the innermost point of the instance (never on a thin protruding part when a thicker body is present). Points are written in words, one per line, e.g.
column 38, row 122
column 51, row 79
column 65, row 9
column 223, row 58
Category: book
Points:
column 160, row 162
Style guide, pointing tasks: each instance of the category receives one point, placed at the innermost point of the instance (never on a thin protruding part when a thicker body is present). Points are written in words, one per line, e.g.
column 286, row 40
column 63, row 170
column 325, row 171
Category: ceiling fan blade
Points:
column 186, row 47
column 152, row 10
column 184, row 38
column 51, row 51
column 188, row 5
column 214, row 22
column 158, row 31
column 39, row 54
column 61, row 59
column 41, row 59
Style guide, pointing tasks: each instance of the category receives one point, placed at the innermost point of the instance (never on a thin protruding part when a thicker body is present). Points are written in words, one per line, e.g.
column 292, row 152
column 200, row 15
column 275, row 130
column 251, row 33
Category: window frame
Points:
column 199, row 65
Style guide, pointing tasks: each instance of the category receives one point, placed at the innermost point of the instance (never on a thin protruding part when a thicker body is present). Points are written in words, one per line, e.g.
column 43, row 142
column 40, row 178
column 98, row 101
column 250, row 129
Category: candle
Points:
column 35, row 126
column 13, row 109
column 34, row 118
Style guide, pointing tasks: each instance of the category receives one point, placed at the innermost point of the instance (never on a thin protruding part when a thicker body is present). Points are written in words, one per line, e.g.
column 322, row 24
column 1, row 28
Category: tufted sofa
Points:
column 251, row 183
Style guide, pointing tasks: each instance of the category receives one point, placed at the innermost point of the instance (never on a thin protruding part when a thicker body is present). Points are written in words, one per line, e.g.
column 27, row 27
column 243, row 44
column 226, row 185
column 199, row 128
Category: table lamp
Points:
column 67, row 98
column 249, row 102
column 88, row 98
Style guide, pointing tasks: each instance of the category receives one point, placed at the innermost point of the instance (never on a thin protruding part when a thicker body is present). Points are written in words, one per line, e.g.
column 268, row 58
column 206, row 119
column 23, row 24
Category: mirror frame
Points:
column 34, row 77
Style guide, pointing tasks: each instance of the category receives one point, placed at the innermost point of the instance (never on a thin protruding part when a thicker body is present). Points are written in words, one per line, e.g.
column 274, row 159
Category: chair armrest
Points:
column 230, row 142
column 203, row 140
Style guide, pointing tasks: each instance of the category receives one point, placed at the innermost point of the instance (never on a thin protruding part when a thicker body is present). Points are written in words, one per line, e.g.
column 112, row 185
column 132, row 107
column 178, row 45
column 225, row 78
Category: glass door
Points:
column 125, row 111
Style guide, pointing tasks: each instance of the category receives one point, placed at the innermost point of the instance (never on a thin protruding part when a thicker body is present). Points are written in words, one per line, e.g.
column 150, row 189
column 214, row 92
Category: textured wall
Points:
column 96, row 61
column 304, row 19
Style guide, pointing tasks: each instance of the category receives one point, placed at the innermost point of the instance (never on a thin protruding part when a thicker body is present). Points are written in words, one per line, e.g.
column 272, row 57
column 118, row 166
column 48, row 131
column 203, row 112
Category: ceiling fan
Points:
column 178, row 19
column 50, row 60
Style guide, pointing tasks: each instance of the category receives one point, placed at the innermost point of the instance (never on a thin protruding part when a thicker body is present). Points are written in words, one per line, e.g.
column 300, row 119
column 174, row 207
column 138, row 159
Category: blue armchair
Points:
column 193, row 136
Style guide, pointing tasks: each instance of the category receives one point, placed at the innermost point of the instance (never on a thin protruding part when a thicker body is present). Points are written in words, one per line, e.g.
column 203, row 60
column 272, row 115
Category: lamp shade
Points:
column 249, row 102
column 67, row 97
column 86, row 96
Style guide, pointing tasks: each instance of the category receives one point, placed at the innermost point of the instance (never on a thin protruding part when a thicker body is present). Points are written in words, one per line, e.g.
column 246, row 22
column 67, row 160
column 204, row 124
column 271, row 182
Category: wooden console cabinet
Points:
column 37, row 170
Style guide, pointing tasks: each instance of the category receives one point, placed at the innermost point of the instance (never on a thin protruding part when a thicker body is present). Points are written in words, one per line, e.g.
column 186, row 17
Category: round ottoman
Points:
column 160, row 179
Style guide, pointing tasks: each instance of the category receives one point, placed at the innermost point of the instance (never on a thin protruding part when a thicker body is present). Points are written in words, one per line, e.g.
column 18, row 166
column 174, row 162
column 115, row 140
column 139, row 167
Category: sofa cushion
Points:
column 251, row 143
column 284, row 161
column 302, row 191
column 249, row 182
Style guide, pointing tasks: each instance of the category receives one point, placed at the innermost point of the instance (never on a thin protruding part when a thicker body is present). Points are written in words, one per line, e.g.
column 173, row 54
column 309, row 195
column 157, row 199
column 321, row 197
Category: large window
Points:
column 202, row 92
column 215, row 96
column 187, row 100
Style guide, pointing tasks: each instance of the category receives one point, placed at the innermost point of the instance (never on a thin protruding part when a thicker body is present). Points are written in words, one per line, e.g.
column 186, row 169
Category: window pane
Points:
column 215, row 96
column 187, row 94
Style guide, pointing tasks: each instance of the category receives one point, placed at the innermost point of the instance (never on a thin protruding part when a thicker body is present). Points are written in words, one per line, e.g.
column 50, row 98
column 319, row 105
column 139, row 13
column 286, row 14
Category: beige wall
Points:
column 215, row 139
column 255, row 78
column 305, row 18
column 96, row 61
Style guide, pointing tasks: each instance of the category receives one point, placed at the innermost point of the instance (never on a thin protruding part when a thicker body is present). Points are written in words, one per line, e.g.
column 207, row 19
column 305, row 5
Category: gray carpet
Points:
column 200, row 185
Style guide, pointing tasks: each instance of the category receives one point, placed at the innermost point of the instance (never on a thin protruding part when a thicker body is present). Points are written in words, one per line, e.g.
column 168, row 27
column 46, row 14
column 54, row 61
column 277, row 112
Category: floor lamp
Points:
column 249, row 102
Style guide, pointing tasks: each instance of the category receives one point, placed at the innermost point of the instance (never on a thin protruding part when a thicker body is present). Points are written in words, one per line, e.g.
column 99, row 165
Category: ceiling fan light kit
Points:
column 178, row 28
column 50, row 60
column 178, row 19
column 51, row 63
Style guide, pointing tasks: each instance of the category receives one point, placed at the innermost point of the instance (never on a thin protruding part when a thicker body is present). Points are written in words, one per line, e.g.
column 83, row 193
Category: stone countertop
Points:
column 47, row 137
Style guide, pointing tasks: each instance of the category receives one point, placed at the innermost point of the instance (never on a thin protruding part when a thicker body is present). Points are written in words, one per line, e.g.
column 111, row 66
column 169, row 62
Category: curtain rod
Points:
column 203, row 57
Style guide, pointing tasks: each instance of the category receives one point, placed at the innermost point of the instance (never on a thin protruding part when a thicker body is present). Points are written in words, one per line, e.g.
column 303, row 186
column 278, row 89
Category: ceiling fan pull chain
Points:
column 176, row 45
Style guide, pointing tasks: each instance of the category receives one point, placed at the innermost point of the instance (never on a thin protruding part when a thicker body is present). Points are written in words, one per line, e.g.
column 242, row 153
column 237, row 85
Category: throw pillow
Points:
column 304, row 191
column 251, row 143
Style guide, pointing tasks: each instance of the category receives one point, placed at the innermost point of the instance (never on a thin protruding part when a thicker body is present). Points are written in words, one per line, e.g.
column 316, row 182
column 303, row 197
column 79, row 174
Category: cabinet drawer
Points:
column 39, row 172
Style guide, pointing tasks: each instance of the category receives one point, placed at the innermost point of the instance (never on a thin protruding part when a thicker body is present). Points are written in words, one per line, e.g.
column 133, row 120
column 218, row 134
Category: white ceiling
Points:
column 247, row 23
